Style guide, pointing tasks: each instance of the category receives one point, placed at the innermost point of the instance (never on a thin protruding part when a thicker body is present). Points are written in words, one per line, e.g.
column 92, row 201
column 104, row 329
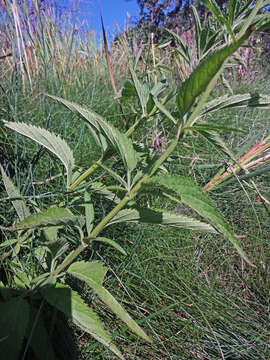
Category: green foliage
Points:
column 205, row 71
column 13, row 325
column 52, row 216
column 50, row 141
column 183, row 190
column 105, row 134
column 160, row 217
column 133, row 172
column 19, row 205
column 71, row 304
column 83, row 271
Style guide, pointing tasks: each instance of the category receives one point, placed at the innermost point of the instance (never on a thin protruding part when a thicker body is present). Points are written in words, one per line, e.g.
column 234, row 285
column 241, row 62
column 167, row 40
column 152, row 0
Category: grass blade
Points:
column 19, row 205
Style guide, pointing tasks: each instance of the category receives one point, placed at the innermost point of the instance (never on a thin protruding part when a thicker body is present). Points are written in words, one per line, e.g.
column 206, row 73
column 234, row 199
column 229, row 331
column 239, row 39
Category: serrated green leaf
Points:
column 51, row 216
column 204, row 73
column 96, row 270
column 261, row 101
column 187, row 192
column 262, row 22
column 249, row 20
column 79, row 271
column 71, row 304
column 198, row 31
column 118, row 141
column 231, row 11
column 141, row 90
column 13, row 324
column 161, row 217
column 19, row 205
column 50, row 141
column 209, row 127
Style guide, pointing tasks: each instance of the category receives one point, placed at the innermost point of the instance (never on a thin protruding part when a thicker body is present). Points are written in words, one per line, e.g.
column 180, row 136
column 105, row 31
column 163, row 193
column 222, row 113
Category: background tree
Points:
column 175, row 15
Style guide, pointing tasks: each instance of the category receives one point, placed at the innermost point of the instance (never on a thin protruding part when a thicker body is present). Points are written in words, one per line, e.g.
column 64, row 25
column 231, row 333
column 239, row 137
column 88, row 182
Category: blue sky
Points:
column 115, row 13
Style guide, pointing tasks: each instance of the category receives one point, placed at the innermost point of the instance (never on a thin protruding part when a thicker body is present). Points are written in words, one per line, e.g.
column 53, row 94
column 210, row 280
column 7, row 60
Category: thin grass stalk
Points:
column 28, row 71
column 15, row 19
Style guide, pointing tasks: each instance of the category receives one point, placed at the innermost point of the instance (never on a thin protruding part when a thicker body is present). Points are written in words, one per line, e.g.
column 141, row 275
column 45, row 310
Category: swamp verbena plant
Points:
column 22, row 324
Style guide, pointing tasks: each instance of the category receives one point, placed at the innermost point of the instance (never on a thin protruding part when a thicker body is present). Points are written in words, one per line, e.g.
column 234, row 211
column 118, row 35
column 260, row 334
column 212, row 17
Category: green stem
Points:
column 134, row 191
column 85, row 175
column 100, row 161
column 68, row 260
column 72, row 256
column 258, row 4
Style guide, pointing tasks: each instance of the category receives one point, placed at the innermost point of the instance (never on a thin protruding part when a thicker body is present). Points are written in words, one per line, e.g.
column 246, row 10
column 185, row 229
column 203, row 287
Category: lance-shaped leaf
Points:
column 118, row 141
column 198, row 31
column 231, row 11
column 51, row 216
column 261, row 101
column 185, row 191
column 13, row 325
column 213, row 6
column 106, row 241
column 72, row 305
column 128, row 90
column 161, row 217
column 49, row 140
column 141, row 90
column 87, row 272
column 204, row 73
column 19, row 205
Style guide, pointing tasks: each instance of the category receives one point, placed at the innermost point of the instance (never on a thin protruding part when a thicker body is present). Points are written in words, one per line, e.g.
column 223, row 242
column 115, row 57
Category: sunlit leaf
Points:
column 204, row 73
column 118, row 141
column 71, row 304
column 185, row 191
column 237, row 101
column 51, row 216
column 89, row 212
column 52, row 142
column 84, row 271
column 107, row 241
column 161, row 217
